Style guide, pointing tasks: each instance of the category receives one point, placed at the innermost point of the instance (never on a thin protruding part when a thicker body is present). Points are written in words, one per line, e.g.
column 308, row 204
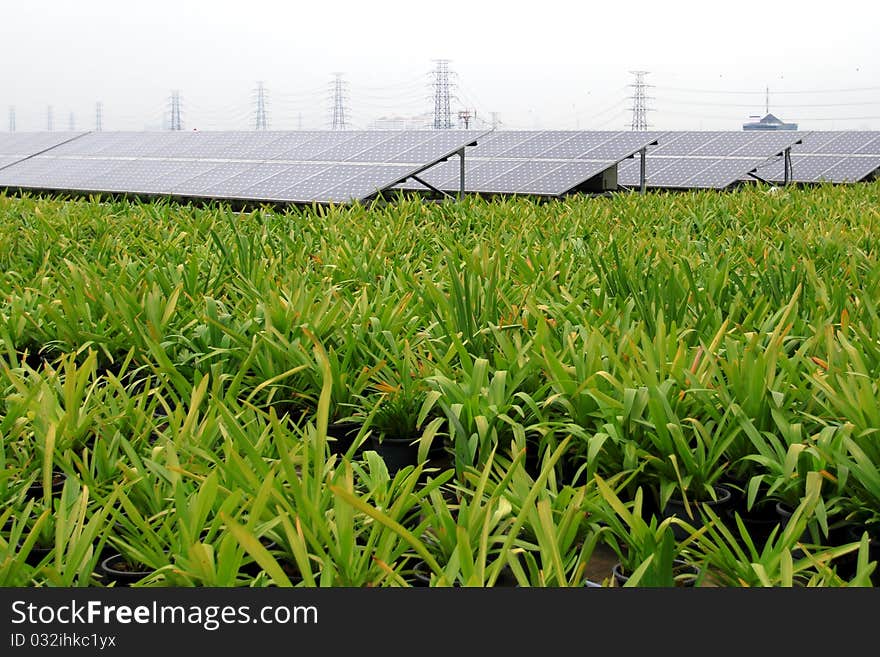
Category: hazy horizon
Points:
column 555, row 67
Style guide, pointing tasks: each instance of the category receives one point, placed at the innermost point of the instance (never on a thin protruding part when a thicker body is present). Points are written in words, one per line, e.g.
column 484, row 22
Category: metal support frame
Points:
column 430, row 186
column 643, row 178
column 461, row 174
column 787, row 159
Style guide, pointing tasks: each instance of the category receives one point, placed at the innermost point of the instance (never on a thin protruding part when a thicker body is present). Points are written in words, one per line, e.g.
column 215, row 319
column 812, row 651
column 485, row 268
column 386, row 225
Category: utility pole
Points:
column 12, row 118
column 464, row 116
column 337, row 110
column 262, row 122
column 767, row 100
column 495, row 120
column 50, row 119
column 99, row 116
column 175, row 111
column 442, row 114
column 640, row 102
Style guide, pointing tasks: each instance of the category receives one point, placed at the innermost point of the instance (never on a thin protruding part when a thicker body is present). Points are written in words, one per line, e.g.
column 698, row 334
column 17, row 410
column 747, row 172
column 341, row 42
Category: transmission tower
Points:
column 495, row 120
column 50, row 119
column 175, row 111
column 640, row 101
column 337, row 110
column 71, row 123
column 99, row 116
column 11, row 118
column 441, row 84
column 262, row 121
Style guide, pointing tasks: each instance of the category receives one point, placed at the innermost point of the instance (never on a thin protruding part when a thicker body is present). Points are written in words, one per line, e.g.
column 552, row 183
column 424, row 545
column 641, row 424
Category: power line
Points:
column 743, row 105
column 337, row 110
column 175, row 123
column 640, row 102
column 799, row 91
column 262, row 122
column 442, row 112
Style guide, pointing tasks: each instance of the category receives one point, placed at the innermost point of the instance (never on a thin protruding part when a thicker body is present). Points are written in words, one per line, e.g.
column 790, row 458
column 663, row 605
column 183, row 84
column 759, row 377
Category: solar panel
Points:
column 302, row 167
column 399, row 144
column 562, row 178
column 538, row 162
column 278, row 187
column 363, row 185
column 838, row 156
column 852, row 169
column 704, row 159
column 503, row 140
column 239, row 182
column 576, row 146
column 16, row 146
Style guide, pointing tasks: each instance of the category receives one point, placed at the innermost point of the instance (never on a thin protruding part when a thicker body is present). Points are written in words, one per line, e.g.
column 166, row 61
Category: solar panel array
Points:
column 833, row 156
column 293, row 167
column 704, row 159
column 17, row 146
column 536, row 162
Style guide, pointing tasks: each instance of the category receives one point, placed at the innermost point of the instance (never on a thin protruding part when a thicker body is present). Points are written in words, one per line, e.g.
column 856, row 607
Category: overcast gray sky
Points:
column 539, row 64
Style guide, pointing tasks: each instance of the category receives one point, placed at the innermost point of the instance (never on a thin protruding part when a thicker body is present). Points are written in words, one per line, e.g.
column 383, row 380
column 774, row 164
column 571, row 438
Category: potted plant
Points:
column 649, row 554
column 782, row 559
column 788, row 465
column 687, row 458
column 860, row 500
column 400, row 410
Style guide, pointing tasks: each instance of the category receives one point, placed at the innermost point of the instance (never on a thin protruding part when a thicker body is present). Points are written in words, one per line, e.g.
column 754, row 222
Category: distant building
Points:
column 769, row 122
column 421, row 122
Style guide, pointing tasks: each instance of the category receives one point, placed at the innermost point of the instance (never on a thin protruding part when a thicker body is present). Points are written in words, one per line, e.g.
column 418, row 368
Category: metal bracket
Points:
column 643, row 178
column 430, row 186
column 461, row 175
column 787, row 158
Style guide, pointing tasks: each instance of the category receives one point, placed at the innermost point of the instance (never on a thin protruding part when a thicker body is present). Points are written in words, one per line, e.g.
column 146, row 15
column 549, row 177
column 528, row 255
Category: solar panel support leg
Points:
column 461, row 174
column 643, row 181
column 430, row 186
column 787, row 158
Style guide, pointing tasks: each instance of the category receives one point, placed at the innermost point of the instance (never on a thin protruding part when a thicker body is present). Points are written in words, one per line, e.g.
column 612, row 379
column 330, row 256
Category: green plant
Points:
column 648, row 551
column 785, row 559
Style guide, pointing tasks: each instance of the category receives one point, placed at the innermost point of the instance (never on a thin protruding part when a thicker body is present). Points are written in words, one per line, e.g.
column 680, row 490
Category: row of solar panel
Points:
column 538, row 162
column 296, row 167
column 398, row 146
column 557, row 162
column 833, row 156
column 327, row 166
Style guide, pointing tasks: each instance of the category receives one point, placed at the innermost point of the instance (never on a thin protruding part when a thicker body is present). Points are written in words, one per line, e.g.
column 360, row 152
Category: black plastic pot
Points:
column 675, row 507
column 117, row 570
column 847, row 565
column 37, row 554
column 759, row 522
column 421, row 576
column 287, row 563
column 35, row 490
column 342, row 436
column 399, row 453
column 685, row 574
